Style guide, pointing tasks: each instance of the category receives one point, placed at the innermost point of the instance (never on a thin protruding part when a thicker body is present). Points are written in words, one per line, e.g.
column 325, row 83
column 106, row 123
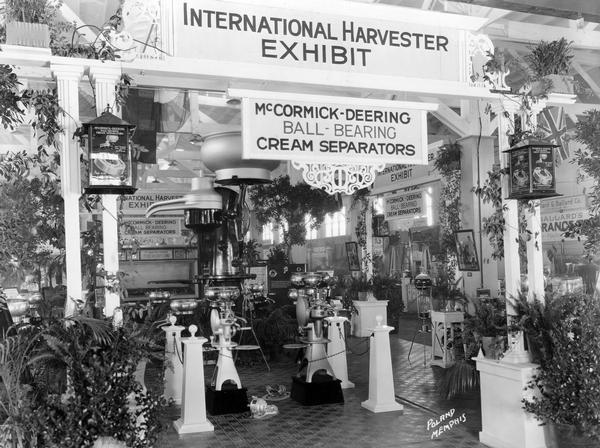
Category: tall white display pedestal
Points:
column 504, row 422
column 368, row 310
column 193, row 407
column 381, row 376
column 174, row 366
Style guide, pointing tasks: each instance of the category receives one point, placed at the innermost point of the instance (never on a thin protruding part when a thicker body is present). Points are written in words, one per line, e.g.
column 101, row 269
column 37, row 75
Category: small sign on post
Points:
column 109, row 155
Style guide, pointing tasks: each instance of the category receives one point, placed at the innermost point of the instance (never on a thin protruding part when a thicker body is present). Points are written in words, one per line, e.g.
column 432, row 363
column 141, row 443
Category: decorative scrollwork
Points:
column 479, row 47
column 141, row 19
column 338, row 178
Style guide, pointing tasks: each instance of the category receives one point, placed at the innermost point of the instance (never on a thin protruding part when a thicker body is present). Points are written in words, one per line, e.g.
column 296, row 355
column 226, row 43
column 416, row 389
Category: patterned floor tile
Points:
column 344, row 425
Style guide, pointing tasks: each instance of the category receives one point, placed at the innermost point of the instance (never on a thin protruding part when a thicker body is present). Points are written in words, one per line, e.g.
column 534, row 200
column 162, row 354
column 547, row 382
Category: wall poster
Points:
column 353, row 258
column 466, row 250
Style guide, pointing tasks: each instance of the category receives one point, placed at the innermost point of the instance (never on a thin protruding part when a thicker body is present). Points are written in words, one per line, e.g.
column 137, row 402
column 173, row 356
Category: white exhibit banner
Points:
column 138, row 203
column 156, row 230
column 394, row 177
column 379, row 40
column 558, row 213
column 320, row 129
column 404, row 205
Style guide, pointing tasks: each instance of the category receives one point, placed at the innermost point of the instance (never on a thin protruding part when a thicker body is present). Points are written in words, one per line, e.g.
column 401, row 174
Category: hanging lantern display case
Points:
column 532, row 170
column 107, row 139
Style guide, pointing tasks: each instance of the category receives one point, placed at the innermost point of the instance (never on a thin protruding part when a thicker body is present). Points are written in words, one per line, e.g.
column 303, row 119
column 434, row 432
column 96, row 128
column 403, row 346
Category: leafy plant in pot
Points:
column 564, row 334
column 390, row 289
column 100, row 399
column 103, row 401
column 549, row 63
column 27, row 22
column 488, row 326
column 358, row 287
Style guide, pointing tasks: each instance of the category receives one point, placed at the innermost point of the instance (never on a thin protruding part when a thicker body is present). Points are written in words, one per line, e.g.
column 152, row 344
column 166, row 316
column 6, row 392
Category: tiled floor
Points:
column 343, row 425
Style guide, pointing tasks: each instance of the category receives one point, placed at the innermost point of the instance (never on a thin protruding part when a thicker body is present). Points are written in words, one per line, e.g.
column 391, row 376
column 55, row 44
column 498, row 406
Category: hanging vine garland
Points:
column 494, row 224
column 447, row 163
column 360, row 198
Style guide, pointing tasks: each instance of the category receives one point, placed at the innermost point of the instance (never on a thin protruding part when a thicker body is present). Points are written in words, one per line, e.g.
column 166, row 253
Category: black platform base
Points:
column 322, row 390
column 226, row 401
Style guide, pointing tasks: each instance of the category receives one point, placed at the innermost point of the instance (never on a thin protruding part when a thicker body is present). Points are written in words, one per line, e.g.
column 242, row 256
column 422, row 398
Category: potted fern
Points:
column 549, row 64
column 488, row 326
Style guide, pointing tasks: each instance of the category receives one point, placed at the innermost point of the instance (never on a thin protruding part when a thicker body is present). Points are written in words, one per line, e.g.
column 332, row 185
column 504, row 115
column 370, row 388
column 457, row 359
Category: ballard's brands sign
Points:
column 303, row 38
column 317, row 129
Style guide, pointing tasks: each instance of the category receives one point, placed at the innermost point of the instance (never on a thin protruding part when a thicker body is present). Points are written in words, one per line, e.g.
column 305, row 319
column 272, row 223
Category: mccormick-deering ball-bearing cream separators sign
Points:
column 323, row 129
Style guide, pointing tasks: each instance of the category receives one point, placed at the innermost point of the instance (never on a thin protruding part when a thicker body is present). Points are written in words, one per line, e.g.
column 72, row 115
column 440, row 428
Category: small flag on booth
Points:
column 555, row 125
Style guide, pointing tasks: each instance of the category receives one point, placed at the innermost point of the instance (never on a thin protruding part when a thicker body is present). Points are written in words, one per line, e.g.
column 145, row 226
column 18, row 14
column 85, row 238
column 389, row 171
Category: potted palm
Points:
column 563, row 336
column 549, row 63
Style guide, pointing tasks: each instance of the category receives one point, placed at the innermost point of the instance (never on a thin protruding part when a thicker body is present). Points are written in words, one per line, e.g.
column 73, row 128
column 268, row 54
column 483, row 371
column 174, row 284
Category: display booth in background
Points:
column 278, row 280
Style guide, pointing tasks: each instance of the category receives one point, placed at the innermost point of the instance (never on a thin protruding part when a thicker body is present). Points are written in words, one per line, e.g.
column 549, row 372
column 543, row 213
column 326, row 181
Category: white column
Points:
column 512, row 264
column 535, row 258
column 369, row 236
column 67, row 83
column 105, row 77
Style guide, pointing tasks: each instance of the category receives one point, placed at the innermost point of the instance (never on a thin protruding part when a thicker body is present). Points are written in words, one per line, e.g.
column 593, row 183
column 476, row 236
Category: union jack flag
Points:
column 555, row 125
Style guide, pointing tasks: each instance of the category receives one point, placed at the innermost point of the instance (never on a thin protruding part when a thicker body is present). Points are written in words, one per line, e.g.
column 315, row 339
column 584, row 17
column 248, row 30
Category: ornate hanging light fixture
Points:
column 338, row 178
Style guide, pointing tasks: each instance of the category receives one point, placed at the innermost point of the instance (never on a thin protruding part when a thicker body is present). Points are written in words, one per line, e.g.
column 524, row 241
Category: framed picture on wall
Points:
column 466, row 250
column 352, row 254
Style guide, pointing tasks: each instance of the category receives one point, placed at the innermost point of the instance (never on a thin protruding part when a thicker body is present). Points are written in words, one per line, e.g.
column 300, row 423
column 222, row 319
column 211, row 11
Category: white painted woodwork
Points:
column 67, row 83
column 105, row 77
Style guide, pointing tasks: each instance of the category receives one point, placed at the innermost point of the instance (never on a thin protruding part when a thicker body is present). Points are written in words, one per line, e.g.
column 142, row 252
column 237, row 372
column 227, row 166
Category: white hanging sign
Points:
column 405, row 205
column 157, row 230
column 397, row 176
column 321, row 129
column 338, row 36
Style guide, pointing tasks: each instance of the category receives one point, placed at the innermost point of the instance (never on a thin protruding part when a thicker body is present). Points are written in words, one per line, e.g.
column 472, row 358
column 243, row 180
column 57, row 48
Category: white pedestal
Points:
column 193, row 406
column 381, row 378
column 367, row 312
column 504, row 422
column 174, row 366
column 336, row 350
